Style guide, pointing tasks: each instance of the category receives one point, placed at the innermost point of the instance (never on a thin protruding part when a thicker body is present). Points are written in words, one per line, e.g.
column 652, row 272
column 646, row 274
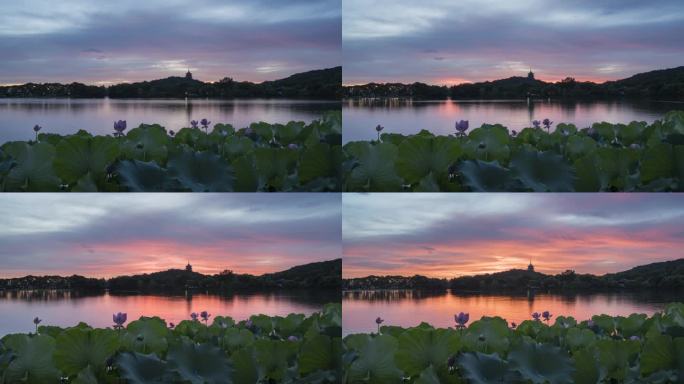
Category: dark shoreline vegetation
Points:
column 262, row 349
column 664, row 84
column 604, row 157
column 323, row 84
column 667, row 275
column 325, row 275
column 548, row 348
column 262, row 157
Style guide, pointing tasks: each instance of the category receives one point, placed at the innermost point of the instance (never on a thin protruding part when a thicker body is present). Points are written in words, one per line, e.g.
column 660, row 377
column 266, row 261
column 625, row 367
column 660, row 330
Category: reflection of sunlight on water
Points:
column 409, row 308
column 65, row 308
column 410, row 116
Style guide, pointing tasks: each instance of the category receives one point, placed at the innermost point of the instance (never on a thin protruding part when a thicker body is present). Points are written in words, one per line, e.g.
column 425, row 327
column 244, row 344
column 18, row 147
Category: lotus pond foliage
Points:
column 605, row 349
column 604, row 157
column 262, row 157
column 203, row 349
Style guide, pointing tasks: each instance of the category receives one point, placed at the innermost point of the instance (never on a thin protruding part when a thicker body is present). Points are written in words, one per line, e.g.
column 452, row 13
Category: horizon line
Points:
column 509, row 77
column 111, row 83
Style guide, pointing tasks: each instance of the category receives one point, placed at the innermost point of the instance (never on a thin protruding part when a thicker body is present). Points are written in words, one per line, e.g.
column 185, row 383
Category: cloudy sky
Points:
column 450, row 42
column 104, row 235
column 448, row 235
column 103, row 42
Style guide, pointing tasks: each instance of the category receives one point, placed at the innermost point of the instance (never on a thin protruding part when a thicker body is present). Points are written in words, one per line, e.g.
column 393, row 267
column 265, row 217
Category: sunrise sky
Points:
column 450, row 42
column 104, row 235
column 448, row 235
column 104, row 42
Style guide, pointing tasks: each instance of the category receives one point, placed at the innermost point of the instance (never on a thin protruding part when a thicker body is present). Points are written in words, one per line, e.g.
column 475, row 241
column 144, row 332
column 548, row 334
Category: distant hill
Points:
column 663, row 275
column 317, row 84
column 664, row 84
column 317, row 276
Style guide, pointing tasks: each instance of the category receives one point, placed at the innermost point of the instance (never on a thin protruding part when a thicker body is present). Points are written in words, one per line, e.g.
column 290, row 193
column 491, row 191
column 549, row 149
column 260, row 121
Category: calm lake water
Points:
column 68, row 308
column 407, row 117
column 409, row 308
column 64, row 116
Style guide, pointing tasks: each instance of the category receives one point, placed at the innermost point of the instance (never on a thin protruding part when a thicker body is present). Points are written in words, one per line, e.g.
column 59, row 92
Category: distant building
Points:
column 188, row 267
column 530, row 267
column 530, row 75
column 188, row 75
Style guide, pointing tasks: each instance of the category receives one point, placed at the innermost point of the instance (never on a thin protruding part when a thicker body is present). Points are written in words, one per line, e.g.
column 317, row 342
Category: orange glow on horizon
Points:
column 604, row 252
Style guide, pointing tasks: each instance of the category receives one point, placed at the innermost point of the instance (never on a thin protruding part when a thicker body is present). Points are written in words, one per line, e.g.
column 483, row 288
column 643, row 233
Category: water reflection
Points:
column 409, row 308
column 67, row 308
column 410, row 116
column 64, row 116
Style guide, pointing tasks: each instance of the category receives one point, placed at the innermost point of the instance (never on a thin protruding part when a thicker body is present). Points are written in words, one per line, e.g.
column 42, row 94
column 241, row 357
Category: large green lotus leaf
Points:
column 632, row 132
column 262, row 323
column 586, row 367
column 543, row 172
column 263, row 130
column 320, row 161
column 489, row 143
column 542, row 363
column 86, row 376
column 657, row 162
column 482, row 176
column 613, row 166
column 318, row 353
column 201, row 171
column 32, row 362
column 192, row 329
column 419, row 156
column 245, row 365
column 85, row 184
column 33, row 171
column 489, row 334
column 676, row 120
column 273, row 165
column 194, row 138
column 138, row 368
column 607, row 131
column 221, row 322
column 375, row 363
column 428, row 184
column 138, row 176
column 588, row 177
column 658, row 354
column 146, row 143
column 631, row 325
column 274, row 357
column 578, row 146
column 78, row 348
column 530, row 136
column 375, row 171
column 393, row 138
column 146, row 335
column 77, row 156
column 236, row 338
column 615, row 356
column 428, row 376
column 221, row 131
column 289, row 133
column 246, row 178
column 199, row 363
column 679, row 350
column 607, row 323
column 237, row 146
column 288, row 325
column 50, row 138
column 480, row 368
column 578, row 338
column 421, row 348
